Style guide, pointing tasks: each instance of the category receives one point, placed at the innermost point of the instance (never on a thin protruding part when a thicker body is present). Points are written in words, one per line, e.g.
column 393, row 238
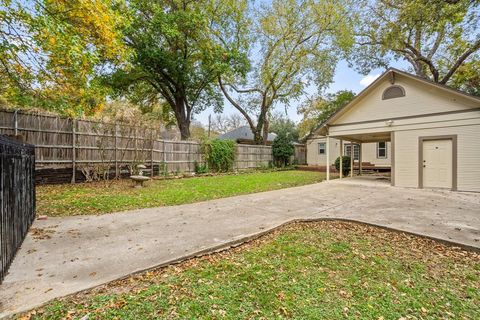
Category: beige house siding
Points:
column 369, row 152
column 420, row 99
column 467, row 117
column 468, row 155
column 316, row 159
column 466, row 125
column 426, row 110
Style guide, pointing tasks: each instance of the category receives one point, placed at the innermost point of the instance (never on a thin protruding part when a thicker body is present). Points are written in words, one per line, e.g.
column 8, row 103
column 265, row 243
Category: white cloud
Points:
column 369, row 79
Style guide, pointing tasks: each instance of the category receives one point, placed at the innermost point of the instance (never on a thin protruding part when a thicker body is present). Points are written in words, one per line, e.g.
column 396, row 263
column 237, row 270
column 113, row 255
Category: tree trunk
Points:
column 257, row 136
column 184, row 127
column 183, row 120
column 258, row 132
column 266, row 126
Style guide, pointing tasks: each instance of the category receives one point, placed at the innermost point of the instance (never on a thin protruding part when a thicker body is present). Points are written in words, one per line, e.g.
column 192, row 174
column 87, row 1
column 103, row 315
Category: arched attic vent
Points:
column 393, row 92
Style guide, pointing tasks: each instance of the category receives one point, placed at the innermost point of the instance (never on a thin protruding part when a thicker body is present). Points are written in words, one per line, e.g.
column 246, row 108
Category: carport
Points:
column 358, row 139
column 433, row 131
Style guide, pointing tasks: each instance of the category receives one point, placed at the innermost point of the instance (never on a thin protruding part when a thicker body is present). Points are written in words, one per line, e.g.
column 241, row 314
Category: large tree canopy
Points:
column 439, row 39
column 318, row 109
column 178, row 52
column 296, row 43
column 279, row 122
column 51, row 52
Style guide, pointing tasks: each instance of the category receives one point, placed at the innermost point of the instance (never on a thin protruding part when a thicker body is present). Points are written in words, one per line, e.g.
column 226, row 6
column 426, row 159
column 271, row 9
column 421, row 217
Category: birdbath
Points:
column 139, row 179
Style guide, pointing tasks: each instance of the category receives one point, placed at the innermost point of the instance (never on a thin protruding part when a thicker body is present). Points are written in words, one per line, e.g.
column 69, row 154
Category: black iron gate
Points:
column 17, row 197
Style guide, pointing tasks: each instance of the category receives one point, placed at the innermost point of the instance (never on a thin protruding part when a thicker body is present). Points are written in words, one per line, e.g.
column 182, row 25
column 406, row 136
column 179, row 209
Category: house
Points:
column 375, row 156
column 244, row 135
column 433, row 131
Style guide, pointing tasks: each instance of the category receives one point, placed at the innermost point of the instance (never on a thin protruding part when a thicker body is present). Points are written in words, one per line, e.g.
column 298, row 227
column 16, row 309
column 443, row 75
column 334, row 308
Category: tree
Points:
column 198, row 131
column 282, row 149
column 281, row 124
column 179, row 53
column 52, row 51
column 467, row 78
column 226, row 123
column 319, row 109
column 439, row 39
column 298, row 43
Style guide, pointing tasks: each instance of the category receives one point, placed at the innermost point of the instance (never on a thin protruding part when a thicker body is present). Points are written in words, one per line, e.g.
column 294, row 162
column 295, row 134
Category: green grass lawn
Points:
column 325, row 270
column 106, row 197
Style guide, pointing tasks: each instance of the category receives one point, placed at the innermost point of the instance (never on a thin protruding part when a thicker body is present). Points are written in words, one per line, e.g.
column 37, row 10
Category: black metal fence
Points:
column 17, row 197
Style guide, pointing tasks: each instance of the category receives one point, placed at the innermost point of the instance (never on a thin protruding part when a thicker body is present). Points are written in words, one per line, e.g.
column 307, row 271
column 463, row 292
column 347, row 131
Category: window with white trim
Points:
column 356, row 151
column 381, row 150
column 322, row 148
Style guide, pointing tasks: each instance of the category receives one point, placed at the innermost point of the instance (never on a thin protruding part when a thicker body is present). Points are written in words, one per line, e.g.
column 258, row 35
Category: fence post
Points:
column 74, row 156
column 115, row 150
column 151, row 154
column 15, row 122
column 164, row 158
column 135, row 157
column 188, row 156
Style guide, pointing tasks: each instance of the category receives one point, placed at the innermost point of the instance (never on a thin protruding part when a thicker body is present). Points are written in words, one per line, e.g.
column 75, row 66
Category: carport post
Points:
column 328, row 157
column 341, row 159
column 351, row 158
column 360, row 159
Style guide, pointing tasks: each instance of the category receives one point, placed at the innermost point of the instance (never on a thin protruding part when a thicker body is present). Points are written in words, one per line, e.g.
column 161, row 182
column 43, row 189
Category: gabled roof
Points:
column 390, row 73
column 244, row 133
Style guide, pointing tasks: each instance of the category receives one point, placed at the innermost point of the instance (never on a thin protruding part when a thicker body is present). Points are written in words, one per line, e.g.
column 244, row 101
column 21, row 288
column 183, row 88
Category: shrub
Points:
column 219, row 154
column 282, row 149
column 345, row 165
column 265, row 166
column 200, row 168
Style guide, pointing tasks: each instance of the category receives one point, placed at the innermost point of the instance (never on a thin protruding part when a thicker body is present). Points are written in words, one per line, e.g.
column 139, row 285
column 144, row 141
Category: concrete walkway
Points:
column 66, row 255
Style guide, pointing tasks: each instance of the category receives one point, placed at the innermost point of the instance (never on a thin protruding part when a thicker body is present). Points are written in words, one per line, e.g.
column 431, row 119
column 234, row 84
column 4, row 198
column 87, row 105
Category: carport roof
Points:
column 366, row 137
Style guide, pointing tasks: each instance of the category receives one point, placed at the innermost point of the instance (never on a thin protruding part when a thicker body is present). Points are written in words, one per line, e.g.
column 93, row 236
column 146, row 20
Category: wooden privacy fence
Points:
column 17, row 197
column 300, row 155
column 74, row 149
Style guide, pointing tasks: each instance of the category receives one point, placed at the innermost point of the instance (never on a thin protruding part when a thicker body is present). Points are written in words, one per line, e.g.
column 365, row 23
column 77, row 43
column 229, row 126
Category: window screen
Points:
column 381, row 150
column 321, row 148
column 356, row 151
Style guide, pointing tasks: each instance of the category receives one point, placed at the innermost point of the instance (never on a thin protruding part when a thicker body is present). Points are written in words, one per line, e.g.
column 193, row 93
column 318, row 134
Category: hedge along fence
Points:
column 219, row 154
column 77, row 150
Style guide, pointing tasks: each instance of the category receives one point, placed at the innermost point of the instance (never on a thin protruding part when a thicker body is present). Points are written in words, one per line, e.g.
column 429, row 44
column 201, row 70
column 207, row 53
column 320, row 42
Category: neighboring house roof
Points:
column 244, row 133
column 390, row 73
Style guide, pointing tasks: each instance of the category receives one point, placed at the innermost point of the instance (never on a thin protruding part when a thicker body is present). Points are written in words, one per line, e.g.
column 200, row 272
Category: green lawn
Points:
column 325, row 270
column 102, row 197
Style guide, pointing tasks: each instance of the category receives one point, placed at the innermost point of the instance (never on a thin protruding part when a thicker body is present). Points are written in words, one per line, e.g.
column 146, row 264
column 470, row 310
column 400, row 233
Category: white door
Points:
column 437, row 164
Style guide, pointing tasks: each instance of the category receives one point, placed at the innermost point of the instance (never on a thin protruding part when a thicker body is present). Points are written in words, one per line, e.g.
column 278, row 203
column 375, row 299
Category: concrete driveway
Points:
column 61, row 256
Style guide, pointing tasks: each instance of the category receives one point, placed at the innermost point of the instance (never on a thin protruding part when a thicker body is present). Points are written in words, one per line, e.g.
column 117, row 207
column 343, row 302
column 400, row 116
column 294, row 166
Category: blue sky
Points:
column 345, row 78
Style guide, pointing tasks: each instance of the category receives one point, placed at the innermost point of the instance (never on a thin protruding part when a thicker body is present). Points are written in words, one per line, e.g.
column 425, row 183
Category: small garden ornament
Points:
column 140, row 178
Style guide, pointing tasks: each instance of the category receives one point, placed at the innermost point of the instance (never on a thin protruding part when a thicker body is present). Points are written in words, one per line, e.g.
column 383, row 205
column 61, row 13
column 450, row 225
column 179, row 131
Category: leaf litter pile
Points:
column 321, row 270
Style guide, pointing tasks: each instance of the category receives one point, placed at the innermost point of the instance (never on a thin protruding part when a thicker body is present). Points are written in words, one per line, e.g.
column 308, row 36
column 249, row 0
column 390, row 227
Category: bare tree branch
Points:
column 235, row 104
